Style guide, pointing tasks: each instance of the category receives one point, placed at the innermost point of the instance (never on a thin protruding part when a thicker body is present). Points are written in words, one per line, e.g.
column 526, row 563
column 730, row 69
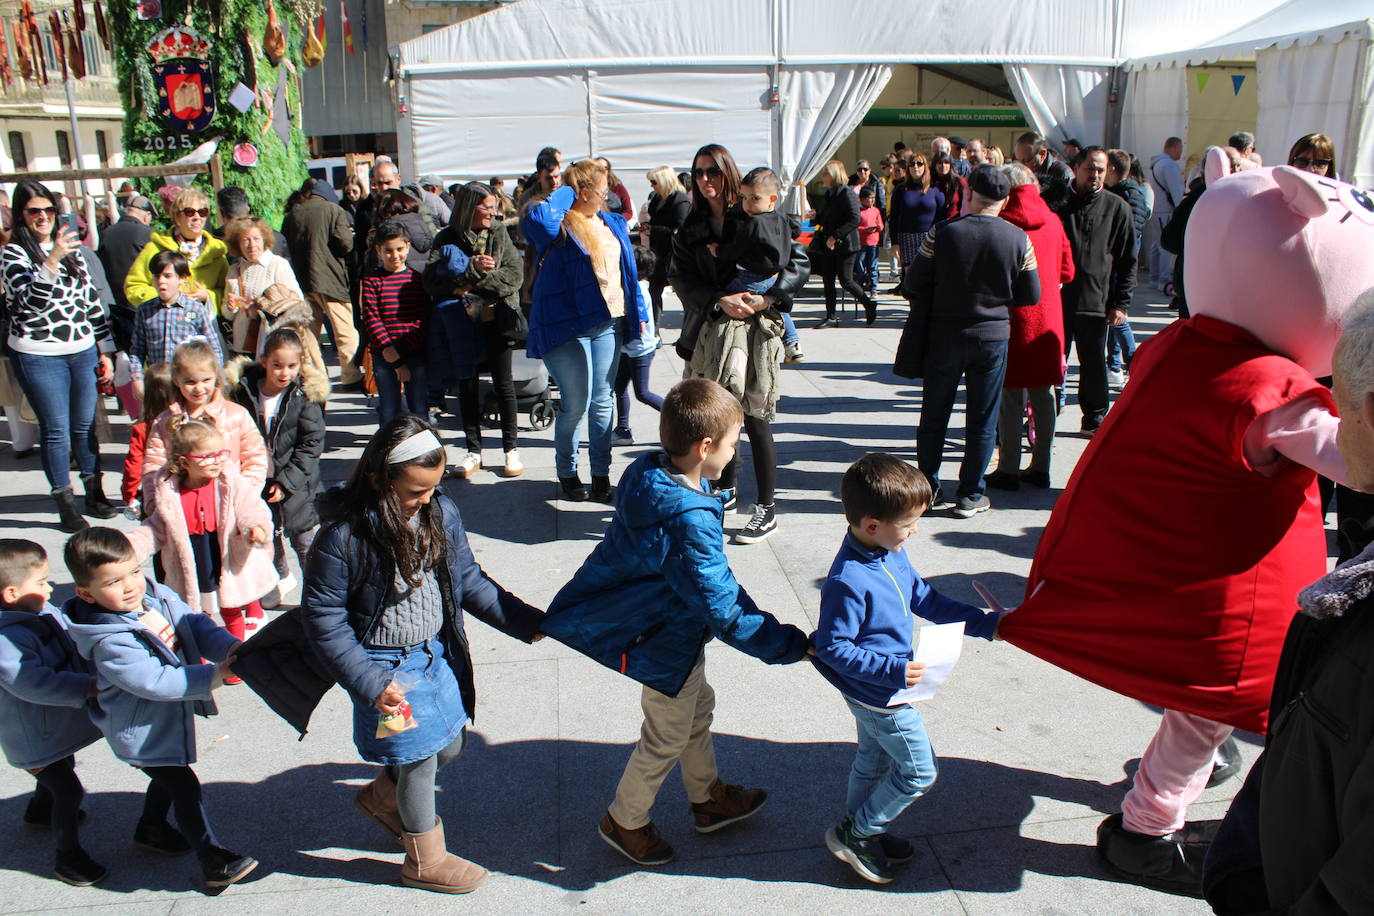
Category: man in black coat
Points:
column 120, row 246
column 320, row 236
column 1102, row 238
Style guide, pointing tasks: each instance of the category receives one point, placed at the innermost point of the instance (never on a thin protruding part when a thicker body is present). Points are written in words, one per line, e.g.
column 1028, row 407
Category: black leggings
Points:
column 841, row 265
column 59, row 782
column 497, row 356
column 633, row 370
column 765, row 460
column 177, row 788
column 656, row 288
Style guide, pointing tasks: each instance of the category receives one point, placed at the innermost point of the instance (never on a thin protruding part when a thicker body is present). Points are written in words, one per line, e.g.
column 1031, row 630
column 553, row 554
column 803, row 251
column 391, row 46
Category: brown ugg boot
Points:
column 377, row 800
column 429, row 865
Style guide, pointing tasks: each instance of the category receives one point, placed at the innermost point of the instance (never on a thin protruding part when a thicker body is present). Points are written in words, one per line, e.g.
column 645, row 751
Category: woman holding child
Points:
column 696, row 274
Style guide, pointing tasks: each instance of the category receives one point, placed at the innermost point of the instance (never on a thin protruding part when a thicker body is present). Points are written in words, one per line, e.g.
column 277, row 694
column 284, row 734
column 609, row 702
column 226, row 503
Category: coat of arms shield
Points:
column 184, row 80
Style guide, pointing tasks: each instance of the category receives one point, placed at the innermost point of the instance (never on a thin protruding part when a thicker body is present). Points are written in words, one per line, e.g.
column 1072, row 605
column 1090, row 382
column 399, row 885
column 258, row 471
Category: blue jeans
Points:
column 894, row 765
column 62, row 390
column 866, row 270
column 746, row 282
column 584, row 368
column 1120, row 346
column 982, row 364
column 390, row 398
column 789, row 329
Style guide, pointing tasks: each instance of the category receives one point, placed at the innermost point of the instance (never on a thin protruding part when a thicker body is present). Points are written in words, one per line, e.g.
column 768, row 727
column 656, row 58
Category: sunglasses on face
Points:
column 712, row 172
column 36, row 212
column 191, row 212
column 1302, row 162
column 210, row 457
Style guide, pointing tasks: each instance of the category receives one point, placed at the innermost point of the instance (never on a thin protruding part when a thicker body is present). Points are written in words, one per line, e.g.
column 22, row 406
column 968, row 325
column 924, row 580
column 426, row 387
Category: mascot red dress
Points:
column 1170, row 567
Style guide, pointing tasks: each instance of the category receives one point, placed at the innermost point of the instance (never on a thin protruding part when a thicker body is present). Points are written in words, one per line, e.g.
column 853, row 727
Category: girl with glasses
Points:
column 207, row 254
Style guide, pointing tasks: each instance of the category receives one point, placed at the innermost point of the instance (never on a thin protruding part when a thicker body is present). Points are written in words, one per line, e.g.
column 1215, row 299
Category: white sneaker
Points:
column 792, row 354
column 514, row 466
column 471, row 464
column 1116, row 378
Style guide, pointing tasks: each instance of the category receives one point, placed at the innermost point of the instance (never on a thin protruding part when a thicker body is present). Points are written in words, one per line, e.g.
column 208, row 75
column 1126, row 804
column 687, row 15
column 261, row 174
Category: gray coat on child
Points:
column 44, row 712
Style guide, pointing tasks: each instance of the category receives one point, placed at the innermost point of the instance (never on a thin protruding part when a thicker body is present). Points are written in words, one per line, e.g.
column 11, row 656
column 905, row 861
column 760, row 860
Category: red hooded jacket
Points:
column 1035, row 352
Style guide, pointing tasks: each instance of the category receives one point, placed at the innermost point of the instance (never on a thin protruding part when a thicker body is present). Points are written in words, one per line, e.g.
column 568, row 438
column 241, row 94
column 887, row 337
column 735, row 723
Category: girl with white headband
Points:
column 387, row 581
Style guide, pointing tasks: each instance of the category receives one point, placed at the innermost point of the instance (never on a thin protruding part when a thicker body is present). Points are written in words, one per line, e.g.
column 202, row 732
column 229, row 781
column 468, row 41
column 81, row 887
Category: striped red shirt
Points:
column 396, row 311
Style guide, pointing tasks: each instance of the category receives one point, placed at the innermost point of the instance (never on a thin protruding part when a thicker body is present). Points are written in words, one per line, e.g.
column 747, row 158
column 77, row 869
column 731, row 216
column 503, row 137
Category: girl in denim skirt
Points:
column 387, row 582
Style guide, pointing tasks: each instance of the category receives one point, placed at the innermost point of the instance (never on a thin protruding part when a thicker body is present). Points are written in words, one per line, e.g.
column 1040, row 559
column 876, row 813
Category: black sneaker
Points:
column 78, row 869
column 1003, row 480
column 222, row 867
column 761, row 525
column 969, row 506
column 601, row 489
column 863, row 853
column 163, row 839
column 896, row 849
column 1226, row 764
column 728, row 498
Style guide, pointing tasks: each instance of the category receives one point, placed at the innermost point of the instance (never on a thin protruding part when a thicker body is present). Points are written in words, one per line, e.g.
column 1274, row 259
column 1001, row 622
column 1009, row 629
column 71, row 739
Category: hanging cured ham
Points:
column 76, row 54
column 102, row 29
column 6, row 73
column 55, row 26
column 273, row 41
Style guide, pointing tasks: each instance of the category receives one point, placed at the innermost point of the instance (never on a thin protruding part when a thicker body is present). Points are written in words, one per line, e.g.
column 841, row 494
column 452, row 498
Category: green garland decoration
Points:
column 280, row 169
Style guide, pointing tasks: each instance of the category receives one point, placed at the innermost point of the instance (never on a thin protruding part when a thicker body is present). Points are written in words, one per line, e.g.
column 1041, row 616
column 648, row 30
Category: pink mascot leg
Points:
column 1173, row 772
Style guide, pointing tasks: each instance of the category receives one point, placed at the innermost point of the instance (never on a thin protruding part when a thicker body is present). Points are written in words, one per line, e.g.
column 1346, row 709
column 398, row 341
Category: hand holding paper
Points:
column 936, row 653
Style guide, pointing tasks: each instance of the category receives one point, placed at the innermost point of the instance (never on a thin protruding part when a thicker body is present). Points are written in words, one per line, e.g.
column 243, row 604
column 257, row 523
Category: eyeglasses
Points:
column 863, row 168
column 40, row 211
column 1302, row 162
column 712, row 172
column 192, row 212
column 210, row 457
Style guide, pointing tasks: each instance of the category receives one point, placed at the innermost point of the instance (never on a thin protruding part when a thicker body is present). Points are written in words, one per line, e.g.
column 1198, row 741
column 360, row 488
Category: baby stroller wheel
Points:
column 541, row 414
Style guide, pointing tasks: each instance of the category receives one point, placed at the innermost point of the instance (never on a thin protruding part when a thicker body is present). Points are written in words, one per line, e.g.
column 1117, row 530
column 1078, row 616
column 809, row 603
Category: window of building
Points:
column 64, row 149
column 19, row 152
column 102, row 147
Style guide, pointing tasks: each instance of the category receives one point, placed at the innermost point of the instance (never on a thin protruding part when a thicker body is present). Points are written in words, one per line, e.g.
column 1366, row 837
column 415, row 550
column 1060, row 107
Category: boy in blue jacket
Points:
column 44, row 688
column 869, row 604
column 649, row 598
column 147, row 646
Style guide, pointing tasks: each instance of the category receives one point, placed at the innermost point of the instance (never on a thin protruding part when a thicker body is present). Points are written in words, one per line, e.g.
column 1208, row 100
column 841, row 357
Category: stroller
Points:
column 535, row 392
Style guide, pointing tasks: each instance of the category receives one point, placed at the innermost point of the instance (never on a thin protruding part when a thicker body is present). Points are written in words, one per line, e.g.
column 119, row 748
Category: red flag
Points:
column 320, row 33
column 347, row 26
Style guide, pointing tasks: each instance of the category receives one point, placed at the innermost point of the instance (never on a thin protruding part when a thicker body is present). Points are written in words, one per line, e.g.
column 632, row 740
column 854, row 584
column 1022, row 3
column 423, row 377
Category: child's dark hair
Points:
column 159, row 391
column 169, row 258
column 18, row 558
column 386, row 232
column 93, row 548
column 371, row 508
column 696, row 409
column 282, row 338
column 884, row 487
column 645, row 261
column 867, row 191
column 762, row 178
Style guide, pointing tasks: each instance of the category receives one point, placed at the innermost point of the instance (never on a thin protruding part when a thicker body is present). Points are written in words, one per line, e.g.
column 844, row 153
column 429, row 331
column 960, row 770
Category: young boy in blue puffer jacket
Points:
column 147, row 645
column 649, row 598
column 44, row 689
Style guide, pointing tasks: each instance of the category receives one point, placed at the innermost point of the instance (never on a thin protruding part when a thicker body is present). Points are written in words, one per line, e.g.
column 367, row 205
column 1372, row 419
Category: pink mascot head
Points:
column 1281, row 253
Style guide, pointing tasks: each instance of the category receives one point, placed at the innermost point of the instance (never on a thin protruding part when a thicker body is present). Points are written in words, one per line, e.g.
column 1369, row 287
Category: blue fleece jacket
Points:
column 659, row 586
column 869, row 605
column 149, row 695
column 43, row 687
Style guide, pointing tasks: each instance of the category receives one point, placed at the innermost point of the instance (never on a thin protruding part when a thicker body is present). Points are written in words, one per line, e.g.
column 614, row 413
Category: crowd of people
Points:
column 210, row 340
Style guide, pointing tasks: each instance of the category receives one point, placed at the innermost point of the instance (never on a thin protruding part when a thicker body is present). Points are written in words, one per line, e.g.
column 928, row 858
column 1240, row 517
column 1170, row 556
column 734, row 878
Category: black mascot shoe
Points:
column 1166, row 863
column 1228, row 763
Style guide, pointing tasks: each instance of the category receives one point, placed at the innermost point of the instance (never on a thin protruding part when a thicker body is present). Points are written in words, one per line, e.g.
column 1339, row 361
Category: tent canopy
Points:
column 1295, row 23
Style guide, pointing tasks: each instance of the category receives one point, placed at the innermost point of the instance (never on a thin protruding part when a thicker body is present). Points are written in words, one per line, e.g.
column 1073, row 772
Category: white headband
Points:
column 422, row 443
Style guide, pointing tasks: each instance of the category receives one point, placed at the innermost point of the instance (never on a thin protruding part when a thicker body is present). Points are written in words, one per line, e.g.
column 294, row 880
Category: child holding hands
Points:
column 45, row 686
column 869, row 603
column 146, row 646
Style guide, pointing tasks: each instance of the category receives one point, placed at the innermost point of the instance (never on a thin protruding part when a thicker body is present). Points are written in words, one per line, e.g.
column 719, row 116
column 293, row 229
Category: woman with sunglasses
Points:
column 1315, row 153
column 58, row 339
column 695, row 275
column 916, row 207
column 207, row 254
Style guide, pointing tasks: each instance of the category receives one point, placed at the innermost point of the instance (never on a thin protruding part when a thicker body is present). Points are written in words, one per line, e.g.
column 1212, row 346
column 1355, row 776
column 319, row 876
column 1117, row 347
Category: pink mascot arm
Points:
column 1303, row 432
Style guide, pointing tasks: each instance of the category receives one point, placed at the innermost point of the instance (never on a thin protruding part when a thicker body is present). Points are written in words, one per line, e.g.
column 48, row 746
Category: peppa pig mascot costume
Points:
column 1170, row 567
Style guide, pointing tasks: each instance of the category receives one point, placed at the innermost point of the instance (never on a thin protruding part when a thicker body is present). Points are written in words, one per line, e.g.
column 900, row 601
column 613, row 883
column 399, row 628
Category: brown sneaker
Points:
column 728, row 804
column 642, row 846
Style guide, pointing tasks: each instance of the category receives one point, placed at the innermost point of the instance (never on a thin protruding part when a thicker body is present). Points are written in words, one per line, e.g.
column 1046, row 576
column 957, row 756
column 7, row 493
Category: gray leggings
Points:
column 415, row 786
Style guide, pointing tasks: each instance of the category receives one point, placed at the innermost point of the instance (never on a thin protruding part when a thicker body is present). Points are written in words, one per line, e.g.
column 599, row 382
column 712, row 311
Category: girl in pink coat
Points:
column 210, row 524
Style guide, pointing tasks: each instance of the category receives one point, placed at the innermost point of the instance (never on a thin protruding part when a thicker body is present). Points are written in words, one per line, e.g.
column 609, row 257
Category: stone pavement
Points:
column 1031, row 758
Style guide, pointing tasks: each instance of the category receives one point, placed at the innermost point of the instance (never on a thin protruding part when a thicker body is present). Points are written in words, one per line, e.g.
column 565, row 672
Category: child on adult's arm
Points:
column 649, row 598
column 147, row 646
column 44, row 688
column 869, row 603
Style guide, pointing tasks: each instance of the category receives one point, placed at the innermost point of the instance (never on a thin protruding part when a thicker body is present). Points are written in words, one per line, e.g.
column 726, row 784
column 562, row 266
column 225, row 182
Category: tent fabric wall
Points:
column 823, row 106
column 1155, row 107
column 1062, row 102
column 1319, row 88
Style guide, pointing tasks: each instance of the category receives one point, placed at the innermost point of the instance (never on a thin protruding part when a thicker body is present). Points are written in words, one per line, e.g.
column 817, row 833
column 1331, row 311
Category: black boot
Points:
column 574, row 490
column 69, row 518
column 96, row 503
column 601, row 489
column 870, row 311
column 1170, row 863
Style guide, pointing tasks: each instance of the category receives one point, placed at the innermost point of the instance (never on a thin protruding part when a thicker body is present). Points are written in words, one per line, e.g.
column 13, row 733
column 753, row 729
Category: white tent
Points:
column 782, row 82
column 1313, row 63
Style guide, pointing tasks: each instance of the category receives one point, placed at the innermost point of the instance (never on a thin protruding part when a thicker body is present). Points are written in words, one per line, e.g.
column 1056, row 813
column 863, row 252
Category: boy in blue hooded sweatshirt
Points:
column 44, row 689
column 869, row 604
column 649, row 598
column 147, row 645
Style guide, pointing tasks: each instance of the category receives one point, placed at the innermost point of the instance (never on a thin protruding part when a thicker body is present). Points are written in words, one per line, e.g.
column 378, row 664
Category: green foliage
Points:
column 280, row 169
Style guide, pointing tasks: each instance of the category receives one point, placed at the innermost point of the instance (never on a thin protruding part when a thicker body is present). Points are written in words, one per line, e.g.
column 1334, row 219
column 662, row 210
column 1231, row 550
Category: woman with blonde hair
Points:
column 835, row 243
column 586, row 298
column 209, row 264
column 667, row 210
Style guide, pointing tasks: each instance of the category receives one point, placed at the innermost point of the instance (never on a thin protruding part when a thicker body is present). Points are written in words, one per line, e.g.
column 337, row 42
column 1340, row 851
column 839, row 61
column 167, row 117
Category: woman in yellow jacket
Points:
column 207, row 254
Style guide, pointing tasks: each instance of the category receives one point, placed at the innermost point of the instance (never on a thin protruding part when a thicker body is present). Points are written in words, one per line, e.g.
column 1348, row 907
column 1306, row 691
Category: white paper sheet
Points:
column 938, row 646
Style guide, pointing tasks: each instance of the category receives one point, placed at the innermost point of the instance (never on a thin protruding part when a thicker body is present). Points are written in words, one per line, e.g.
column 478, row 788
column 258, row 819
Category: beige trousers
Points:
column 676, row 730
column 340, row 318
